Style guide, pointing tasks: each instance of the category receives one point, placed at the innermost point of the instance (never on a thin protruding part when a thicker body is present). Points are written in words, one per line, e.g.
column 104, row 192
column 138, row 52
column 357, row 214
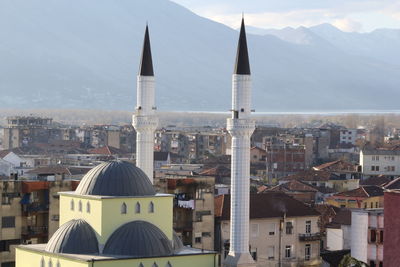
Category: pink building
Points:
column 391, row 253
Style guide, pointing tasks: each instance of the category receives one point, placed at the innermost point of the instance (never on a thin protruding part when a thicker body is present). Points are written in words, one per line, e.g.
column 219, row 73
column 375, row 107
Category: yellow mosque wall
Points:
column 105, row 213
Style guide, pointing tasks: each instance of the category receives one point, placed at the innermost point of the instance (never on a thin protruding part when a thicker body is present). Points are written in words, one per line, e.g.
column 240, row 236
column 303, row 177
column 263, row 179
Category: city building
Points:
column 380, row 162
column 29, row 213
column 114, row 218
column 367, row 236
column 282, row 230
column 338, row 231
column 364, row 197
column 391, row 233
column 193, row 213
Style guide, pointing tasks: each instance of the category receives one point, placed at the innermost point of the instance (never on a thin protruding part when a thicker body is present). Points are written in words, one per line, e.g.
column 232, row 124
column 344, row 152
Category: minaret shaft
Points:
column 145, row 120
column 240, row 127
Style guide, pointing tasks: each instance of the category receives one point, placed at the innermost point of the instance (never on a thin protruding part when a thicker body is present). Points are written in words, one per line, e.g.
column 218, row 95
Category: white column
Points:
column 145, row 123
column 240, row 128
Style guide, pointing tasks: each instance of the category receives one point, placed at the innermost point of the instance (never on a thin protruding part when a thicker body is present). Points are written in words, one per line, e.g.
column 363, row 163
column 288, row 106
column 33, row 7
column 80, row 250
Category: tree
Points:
column 349, row 261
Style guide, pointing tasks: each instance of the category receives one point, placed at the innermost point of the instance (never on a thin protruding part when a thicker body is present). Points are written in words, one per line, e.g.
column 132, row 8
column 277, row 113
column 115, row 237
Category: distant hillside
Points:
column 85, row 55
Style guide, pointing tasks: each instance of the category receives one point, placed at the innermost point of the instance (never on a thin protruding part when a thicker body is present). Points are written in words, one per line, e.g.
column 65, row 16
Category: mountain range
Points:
column 85, row 55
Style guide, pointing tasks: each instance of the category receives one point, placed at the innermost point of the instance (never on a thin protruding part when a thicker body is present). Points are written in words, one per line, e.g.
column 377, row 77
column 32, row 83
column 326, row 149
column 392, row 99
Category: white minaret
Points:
column 240, row 127
column 145, row 120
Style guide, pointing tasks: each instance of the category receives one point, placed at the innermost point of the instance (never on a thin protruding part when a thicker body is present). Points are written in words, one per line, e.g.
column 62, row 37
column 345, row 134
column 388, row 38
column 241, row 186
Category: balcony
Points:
column 309, row 237
column 34, row 232
column 36, row 207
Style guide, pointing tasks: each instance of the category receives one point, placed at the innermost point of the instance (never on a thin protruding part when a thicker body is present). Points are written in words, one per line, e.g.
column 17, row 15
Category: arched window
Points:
column 42, row 263
column 137, row 207
column 58, row 264
column 168, row 264
column 50, row 264
column 88, row 207
column 123, row 208
column 151, row 207
column 154, row 265
column 141, row 265
column 72, row 204
column 80, row 206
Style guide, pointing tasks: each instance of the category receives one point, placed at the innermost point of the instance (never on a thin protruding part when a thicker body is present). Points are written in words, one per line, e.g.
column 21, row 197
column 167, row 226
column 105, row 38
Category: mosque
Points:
column 115, row 218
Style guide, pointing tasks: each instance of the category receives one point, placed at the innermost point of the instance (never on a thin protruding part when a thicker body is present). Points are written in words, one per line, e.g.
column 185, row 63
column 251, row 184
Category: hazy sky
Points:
column 348, row 15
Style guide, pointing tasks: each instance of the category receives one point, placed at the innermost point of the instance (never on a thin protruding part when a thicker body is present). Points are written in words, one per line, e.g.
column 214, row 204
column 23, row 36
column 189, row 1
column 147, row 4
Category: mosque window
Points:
column 50, row 264
column 42, row 263
column 141, row 265
column 58, row 264
column 168, row 264
column 72, row 204
column 88, row 207
column 151, row 207
column 123, row 208
column 154, row 265
column 80, row 206
column 137, row 207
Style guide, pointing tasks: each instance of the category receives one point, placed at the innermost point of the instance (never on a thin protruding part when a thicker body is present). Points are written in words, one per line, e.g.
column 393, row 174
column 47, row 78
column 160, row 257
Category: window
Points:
column 80, row 206
column 308, row 227
column 8, row 222
column 123, row 208
column 381, row 264
column 50, row 263
column 58, row 264
column 377, row 168
column 154, row 265
column 288, row 251
column 372, row 205
column 151, row 207
column 376, row 204
column 372, row 236
column 88, row 207
column 365, row 205
column 42, row 263
column 141, row 265
column 72, row 204
column 307, row 252
column 381, row 236
column 372, row 264
column 197, row 239
column 6, row 244
column 372, row 168
column 137, row 208
column 254, row 229
column 289, row 228
column 168, row 264
column 271, row 252
column 271, row 229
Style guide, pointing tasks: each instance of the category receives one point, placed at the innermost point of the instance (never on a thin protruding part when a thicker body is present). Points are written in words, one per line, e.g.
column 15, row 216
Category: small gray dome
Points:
column 116, row 178
column 74, row 237
column 138, row 239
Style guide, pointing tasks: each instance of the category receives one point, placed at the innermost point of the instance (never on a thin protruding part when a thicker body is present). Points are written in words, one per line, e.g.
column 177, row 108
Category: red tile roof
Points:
column 218, row 171
column 337, row 166
column 4, row 153
column 311, row 175
column 362, row 192
column 294, row 186
column 267, row 205
column 105, row 150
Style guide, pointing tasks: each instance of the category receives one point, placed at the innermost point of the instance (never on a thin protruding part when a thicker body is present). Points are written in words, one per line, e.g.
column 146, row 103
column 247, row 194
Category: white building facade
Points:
column 380, row 162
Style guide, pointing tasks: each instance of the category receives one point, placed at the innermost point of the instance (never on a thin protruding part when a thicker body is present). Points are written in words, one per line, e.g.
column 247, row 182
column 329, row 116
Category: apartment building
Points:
column 380, row 162
column 29, row 213
column 365, row 197
column 283, row 231
column 193, row 211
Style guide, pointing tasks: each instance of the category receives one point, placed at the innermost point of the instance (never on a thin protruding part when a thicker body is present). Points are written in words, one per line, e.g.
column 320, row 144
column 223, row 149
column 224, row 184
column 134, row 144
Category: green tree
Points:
column 349, row 261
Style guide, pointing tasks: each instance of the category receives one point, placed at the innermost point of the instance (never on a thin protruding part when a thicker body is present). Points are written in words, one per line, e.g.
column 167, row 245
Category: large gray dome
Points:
column 138, row 239
column 116, row 178
column 74, row 237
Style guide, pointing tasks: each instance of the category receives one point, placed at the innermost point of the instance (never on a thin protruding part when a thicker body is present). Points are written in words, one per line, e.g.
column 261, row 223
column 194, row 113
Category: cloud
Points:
column 348, row 15
column 347, row 25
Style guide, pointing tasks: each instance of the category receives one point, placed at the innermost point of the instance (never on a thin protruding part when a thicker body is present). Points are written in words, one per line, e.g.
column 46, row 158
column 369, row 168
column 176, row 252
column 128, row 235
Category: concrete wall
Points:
column 359, row 235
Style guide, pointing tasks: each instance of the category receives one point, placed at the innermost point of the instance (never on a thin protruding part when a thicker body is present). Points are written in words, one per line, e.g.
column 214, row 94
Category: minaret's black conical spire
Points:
column 242, row 65
column 146, row 64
